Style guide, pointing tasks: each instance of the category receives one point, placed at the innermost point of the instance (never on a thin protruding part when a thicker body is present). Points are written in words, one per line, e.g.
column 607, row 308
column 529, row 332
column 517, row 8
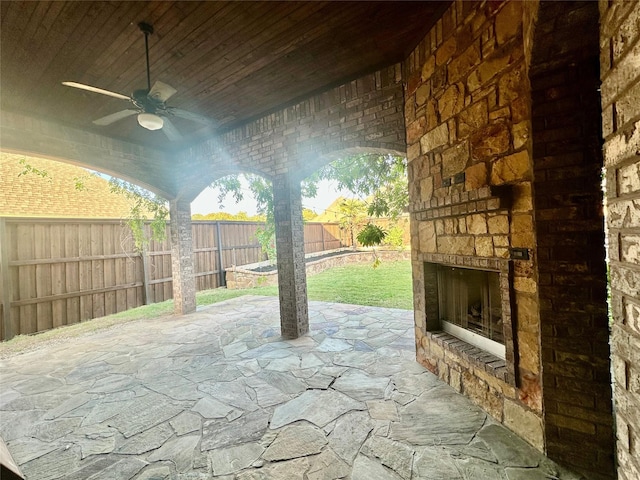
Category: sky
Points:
column 207, row 201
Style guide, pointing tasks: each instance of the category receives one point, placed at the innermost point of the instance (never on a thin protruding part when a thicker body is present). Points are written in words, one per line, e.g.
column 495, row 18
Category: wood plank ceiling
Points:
column 229, row 61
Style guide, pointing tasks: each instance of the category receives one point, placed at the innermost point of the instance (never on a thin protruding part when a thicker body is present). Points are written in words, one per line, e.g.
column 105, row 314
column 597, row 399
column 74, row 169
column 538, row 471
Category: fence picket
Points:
column 55, row 272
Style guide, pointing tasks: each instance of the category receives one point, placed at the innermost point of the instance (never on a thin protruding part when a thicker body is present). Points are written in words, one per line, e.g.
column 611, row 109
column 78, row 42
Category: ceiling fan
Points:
column 149, row 104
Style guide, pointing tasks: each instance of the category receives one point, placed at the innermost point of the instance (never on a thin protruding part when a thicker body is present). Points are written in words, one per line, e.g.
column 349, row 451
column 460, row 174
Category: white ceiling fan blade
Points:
column 170, row 130
column 161, row 91
column 89, row 88
column 178, row 112
column 114, row 117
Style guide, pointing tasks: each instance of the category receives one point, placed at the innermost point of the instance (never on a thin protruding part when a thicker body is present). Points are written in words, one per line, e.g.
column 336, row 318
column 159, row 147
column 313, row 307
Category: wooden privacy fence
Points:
column 56, row 272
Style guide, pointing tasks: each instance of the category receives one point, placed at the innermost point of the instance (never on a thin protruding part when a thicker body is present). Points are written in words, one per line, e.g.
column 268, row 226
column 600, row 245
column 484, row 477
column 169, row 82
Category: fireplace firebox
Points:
column 470, row 307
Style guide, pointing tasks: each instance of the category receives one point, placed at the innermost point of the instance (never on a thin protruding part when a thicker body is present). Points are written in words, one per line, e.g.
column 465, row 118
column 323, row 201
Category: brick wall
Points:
column 619, row 60
column 364, row 115
column 470, row 181
column 572, row 282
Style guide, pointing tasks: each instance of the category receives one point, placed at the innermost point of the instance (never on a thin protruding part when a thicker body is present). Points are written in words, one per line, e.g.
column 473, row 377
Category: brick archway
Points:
column 365, row 115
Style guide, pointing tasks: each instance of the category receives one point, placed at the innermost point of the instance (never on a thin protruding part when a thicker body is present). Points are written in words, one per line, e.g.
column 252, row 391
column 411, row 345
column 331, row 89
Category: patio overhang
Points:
column 245, row 66
column 507, row 111
column 232, row 62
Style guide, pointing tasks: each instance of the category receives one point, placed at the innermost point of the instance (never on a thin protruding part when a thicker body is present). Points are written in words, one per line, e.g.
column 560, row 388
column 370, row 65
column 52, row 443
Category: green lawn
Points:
column 389, row 285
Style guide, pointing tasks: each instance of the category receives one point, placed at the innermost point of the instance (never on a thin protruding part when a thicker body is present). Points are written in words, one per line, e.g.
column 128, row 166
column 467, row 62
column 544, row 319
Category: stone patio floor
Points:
column 218, row 394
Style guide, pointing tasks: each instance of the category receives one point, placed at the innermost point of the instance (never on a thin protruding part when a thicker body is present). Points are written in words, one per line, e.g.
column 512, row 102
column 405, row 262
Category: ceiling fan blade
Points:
column 89, row 88
column 170, row 130
column 114, row 117
column 178, row 112
column 161, row 91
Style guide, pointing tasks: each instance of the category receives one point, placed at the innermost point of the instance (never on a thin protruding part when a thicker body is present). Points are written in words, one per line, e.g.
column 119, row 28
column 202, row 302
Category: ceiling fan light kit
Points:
column 150, row 103
column 150, row 121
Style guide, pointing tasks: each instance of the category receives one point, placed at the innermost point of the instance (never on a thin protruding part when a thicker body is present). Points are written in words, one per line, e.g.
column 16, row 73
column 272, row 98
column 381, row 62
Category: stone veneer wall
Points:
column 620, row 74
column 468, row 127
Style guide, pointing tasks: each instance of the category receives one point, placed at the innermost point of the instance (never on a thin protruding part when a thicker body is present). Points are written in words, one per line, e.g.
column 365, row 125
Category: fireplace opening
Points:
column 470, row 307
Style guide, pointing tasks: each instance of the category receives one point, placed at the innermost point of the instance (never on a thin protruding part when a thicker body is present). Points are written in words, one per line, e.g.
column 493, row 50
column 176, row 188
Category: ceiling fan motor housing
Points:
column 144, row 102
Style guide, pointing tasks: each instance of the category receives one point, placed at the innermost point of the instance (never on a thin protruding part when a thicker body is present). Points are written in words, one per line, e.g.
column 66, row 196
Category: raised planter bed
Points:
column 265, row 273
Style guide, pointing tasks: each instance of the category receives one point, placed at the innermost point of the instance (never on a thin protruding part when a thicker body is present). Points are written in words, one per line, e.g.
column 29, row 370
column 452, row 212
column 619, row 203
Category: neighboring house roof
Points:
column 332, row 212
column 56, row 195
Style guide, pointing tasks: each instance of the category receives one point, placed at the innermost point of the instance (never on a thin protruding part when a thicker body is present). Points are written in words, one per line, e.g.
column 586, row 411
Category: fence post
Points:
column 146, row 287
column 322, row 234
column 223, row 280
column 5, row 283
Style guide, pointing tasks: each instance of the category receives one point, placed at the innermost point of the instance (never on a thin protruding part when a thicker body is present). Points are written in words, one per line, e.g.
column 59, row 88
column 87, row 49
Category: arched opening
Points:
column 332, row 229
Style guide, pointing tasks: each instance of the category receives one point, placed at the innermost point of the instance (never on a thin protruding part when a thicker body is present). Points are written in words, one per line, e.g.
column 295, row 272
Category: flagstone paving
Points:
column 218, row 394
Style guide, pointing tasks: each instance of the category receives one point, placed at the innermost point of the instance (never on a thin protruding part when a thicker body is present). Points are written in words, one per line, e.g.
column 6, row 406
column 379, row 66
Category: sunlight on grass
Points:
column 389, row 285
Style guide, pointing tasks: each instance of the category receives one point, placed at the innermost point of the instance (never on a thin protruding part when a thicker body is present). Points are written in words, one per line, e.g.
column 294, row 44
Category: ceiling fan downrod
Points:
column 147, row 29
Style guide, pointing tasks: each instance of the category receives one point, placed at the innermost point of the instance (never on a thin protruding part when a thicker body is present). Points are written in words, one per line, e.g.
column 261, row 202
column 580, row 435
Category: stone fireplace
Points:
column 471, row 186
column 468, row 273
column 509, row 275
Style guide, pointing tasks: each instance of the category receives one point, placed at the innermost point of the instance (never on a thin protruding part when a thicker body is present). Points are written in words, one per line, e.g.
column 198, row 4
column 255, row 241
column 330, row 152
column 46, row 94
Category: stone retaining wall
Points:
column 244, row 277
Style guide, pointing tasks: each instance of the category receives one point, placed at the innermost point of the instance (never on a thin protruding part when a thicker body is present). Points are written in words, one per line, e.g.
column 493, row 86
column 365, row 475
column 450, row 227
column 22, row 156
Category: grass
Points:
column 389, row 285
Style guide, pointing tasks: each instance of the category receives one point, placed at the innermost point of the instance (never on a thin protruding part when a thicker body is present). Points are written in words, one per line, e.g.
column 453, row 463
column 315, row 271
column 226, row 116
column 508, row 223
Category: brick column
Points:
column 292, row 277
column 184, row 285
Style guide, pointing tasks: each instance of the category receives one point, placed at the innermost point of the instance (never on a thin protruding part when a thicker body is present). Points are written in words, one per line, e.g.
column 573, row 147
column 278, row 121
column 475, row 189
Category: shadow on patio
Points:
column 219, row 393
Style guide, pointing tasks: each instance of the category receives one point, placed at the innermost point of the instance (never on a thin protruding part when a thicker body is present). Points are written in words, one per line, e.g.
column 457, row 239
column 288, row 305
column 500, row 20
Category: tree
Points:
column 380, row 181
column 145, row 205
column 262, row 191
column 352, row 217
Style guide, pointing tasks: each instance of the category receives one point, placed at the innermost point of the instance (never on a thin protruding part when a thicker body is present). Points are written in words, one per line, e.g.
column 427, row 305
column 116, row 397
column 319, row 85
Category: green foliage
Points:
column 229, row 185
column 308, row 214
column 394, row 237
column 79, row 182
column 380, row 178
column 267, row 239
column 143, row 204
column 30, row 169
column 352, row 216
column 262, row 191
column 371, row 235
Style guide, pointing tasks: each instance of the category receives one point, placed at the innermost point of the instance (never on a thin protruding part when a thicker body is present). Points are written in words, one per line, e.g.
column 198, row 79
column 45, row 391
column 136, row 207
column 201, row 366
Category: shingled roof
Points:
column 56, row 195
